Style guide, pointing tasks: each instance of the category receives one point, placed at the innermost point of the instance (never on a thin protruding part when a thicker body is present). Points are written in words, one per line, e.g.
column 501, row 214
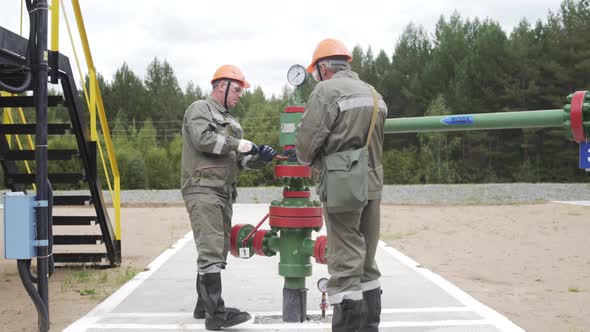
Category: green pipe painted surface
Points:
column 503, row 120
column 307, row 246
column 294, row 262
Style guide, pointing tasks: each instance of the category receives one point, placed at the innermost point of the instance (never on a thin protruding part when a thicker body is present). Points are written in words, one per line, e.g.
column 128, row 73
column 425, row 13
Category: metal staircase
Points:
column 87, row 238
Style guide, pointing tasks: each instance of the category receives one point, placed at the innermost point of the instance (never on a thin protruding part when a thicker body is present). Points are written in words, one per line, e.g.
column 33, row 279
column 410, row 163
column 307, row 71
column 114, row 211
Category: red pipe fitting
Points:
column 319, row 249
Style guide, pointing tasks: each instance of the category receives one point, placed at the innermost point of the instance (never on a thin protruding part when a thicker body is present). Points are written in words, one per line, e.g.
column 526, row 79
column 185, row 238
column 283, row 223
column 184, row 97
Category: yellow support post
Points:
column 54, row 26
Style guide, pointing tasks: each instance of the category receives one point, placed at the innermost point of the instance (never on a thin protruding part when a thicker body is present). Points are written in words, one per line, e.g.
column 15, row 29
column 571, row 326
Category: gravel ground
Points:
column 435, row 194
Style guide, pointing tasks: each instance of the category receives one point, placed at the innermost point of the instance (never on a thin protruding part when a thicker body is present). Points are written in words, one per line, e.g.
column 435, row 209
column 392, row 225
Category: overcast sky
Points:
column 264, row 38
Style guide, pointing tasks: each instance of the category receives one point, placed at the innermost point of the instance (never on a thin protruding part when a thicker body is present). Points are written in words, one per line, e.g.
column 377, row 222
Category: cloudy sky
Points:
column 264, row 38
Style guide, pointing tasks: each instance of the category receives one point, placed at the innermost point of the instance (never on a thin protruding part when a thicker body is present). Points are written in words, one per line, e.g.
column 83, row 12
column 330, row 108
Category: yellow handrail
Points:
column 95, row 103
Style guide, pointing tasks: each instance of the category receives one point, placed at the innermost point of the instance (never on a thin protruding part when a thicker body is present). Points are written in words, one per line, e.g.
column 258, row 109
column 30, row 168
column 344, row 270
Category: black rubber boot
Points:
column 216, row 314
column 347, row 316
column 199, row 312
column 371, row 310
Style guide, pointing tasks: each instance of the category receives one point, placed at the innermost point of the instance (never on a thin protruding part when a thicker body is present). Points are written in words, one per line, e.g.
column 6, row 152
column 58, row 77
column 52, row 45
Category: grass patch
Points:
column 96, row 284
column 573, row 290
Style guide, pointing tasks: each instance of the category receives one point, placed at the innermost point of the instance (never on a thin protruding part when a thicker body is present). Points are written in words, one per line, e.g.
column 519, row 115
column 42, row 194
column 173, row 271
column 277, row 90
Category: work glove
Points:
column 291, row 153
column 267, row 153
column 246, row 147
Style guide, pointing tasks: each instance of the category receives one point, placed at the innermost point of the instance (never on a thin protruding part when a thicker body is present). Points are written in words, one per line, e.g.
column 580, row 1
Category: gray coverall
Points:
column 210, row 165
column 337, row 118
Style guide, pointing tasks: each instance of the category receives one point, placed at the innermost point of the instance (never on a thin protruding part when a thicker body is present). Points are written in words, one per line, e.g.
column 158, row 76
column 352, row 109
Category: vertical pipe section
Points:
column 295, row 266
column 40, row 97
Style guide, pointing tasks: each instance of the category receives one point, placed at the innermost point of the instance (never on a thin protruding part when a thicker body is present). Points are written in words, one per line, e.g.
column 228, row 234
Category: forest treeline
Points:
column 464, row 66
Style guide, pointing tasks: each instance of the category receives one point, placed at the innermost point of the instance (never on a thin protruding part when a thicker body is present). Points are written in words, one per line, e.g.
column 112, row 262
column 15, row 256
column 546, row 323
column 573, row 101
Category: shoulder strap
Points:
column 374, row 117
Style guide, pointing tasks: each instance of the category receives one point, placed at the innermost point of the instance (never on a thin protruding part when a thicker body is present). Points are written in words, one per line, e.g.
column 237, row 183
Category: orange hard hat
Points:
column 232, row 72
column 328, row 48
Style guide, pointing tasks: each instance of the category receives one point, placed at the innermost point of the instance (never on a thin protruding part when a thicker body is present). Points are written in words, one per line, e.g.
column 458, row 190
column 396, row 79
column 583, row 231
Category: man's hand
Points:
column 246, row 147
column 267, row 153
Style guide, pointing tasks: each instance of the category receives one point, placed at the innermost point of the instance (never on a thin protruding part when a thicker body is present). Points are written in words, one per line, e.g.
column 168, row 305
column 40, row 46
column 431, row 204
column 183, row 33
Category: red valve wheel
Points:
column 238, row 233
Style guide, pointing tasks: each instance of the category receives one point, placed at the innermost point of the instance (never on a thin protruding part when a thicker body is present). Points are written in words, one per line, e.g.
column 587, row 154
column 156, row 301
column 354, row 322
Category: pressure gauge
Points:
column 296, row 75
column 323, row 285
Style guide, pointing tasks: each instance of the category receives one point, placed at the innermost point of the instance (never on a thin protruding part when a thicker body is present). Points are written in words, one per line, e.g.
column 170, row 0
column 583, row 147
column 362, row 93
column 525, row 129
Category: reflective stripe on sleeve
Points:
column 357, row 102
column 219, row 144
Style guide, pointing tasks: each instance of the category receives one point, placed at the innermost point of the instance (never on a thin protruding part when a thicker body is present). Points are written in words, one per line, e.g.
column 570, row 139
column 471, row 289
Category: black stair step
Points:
column 30, row 128
column 57, row 154
column 80, row 257
column 72, row 200
column 77, row 239
column 28, row 101
column 54, row 178
column 74, row 220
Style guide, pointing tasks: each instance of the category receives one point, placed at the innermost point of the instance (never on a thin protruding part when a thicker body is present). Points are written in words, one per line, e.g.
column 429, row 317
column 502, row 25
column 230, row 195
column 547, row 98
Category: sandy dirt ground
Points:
column 529, row 262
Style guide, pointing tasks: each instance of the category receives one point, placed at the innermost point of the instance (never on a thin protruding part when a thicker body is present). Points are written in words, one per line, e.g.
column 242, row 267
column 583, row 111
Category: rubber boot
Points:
column 371, row 310
column 199, row 312
column 347, row 316
column 216, row 315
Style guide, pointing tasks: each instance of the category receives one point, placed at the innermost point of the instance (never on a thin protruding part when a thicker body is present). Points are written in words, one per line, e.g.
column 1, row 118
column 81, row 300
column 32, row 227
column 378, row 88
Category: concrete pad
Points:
column 162, row 298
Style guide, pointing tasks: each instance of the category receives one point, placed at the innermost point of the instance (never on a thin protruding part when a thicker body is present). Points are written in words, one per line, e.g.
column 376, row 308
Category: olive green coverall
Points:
column 210, row 165
column 337, row 118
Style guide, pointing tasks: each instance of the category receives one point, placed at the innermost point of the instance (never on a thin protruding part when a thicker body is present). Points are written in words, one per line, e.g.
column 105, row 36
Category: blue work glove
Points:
column 267, row 153
column 291, row 153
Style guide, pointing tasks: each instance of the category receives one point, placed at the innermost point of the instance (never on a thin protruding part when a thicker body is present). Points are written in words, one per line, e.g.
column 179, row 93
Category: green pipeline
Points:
column 502, row 120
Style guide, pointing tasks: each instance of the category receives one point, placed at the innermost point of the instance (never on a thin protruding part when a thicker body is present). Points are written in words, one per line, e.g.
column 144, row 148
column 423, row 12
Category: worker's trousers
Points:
column 352, row 242
column 210, row 216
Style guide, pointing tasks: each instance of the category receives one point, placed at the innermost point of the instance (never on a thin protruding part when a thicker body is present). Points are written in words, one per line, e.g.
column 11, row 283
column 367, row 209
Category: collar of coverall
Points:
column 346, row 73
column 217, row 105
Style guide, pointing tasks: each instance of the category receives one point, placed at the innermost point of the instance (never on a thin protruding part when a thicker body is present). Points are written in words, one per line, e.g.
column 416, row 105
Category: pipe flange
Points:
column 292, row 171
column 319, row 249
column 577, row 116
column 258, row 243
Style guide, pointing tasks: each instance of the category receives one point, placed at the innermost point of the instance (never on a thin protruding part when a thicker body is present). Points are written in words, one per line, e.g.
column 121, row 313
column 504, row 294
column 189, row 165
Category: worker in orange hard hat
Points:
column 333, row 49
column 213, row 152
column 230, row 74
column 344, row 120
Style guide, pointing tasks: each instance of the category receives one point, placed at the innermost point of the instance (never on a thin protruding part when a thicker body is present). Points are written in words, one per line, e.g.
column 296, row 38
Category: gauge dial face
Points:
column 323, row 285
column 296, row 75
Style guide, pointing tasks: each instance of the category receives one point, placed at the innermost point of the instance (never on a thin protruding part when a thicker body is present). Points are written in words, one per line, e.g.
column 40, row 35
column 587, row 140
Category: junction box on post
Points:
column 19, row 226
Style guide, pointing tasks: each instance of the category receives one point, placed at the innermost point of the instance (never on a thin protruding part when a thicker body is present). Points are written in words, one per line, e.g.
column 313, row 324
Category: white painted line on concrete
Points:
column 117, row 297
column 499, row 321
column 288, row 326
column 585, row 203
column 279, row 313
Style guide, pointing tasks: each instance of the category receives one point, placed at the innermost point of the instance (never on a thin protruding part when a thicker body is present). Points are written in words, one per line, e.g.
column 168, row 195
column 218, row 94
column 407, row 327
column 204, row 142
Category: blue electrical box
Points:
column 19, row 226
